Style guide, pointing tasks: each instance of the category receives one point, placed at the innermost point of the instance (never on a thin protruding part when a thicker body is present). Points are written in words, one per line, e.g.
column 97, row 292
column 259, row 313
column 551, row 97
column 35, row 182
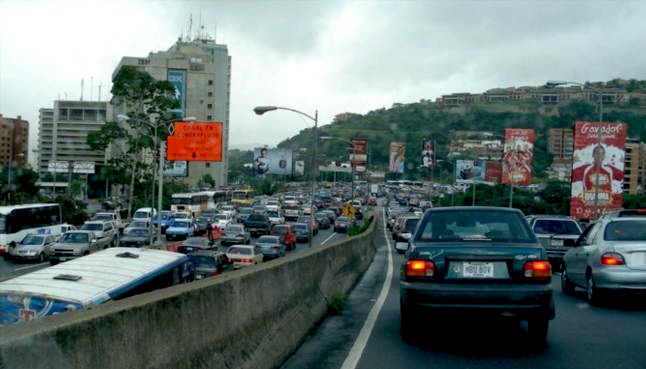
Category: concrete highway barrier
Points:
column 250, row 318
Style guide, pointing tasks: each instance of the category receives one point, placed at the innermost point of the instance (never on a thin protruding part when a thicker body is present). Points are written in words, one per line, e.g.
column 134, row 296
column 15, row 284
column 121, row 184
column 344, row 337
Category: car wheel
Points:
column 592, row 292
column 41, row 258
column 567, row 287
column 406, row 323
column 53, row 262
column 537, row 329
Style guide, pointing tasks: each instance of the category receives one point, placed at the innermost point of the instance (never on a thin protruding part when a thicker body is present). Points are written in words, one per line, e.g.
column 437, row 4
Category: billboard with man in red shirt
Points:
column 517, row 156
column 597, row 168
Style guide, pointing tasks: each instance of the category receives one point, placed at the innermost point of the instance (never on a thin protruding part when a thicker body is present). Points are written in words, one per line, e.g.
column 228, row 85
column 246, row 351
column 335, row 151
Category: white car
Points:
column 222, row 220
column 244, row 255
column 275, row 217
column 229, row 210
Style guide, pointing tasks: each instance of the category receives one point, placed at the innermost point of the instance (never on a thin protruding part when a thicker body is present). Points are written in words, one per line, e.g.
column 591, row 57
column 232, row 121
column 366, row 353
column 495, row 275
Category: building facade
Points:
column 634, row 173
column 14, row 142
column 63, row 132
column 201, row 72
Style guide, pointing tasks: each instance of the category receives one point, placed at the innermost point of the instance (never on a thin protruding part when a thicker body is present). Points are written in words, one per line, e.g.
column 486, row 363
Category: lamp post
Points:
column 599, row 137
column 260, row 110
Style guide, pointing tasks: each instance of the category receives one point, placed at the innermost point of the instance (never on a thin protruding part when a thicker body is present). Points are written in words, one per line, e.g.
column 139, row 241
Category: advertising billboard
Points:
column 177, row 77
column 397, row 157
column 176, row 169
column 467, row 171
column 299, row 167
column 195, row 141
column 597, row 168
column 518, row 152
column 428, row 147
column 272, row 161
column 359, row 154
column 493, row 172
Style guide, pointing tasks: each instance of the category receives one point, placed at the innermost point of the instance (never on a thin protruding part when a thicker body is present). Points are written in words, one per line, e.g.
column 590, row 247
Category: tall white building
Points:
column 63, row 131
column 201, row 72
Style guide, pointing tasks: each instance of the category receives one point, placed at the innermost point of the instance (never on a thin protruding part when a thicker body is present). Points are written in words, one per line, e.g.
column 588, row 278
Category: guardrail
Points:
column 250, row 318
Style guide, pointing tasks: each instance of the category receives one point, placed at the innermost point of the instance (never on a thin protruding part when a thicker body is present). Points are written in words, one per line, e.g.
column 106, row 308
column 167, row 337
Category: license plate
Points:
column 189, row 249
column 477, row 269
column 557, row 242
column 199, row 276
column 63, row 259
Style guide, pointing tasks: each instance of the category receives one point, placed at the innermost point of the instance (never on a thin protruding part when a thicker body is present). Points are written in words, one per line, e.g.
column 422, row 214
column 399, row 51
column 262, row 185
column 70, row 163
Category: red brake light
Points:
column 419, row 268
column 537, row 269
column 612, row 258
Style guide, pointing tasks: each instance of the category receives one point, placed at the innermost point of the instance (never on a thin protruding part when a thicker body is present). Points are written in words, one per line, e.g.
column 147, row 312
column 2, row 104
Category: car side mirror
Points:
column 569, row 242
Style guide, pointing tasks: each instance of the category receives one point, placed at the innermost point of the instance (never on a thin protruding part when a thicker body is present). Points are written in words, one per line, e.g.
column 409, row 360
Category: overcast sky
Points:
column 343, row 56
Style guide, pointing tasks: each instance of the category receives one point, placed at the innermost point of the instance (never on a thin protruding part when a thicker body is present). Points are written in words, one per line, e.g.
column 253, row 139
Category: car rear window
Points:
column 202, row 261
column 475, row 225
column 556, row 226
column 239, row 251
column 626, row 231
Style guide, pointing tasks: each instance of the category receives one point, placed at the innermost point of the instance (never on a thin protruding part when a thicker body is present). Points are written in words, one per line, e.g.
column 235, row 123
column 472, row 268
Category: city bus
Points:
column 194, row 203
column 91, row 280
column 17, row 221
column 215, row 198
column 243, row 197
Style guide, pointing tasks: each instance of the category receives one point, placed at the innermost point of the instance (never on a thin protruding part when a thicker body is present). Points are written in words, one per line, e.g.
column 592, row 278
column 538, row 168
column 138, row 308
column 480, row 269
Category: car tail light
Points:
column 245, row 260
column 215, row 273
column 419, row 268
column 612, row 258
column 537, row 269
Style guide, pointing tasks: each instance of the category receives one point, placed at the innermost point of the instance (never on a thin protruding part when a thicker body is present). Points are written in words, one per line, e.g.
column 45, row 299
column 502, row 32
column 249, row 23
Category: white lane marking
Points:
column 329, row 238
column 352, row 360
column 30, row 266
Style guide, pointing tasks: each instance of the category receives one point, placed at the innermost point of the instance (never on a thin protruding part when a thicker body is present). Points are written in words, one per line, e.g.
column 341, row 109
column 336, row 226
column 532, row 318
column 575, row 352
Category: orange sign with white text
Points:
column 195, row 141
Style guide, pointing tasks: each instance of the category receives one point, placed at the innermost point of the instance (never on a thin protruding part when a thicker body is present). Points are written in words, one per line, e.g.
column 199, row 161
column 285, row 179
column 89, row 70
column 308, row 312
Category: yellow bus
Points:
column 193, row 203
column 243, row 197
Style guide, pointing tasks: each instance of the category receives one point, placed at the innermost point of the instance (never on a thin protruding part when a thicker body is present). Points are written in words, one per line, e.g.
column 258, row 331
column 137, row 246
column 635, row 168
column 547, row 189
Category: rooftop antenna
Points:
column 190, row 26
column 201, row 26
column 91, row 88
column 82, row 83
column 100, row 91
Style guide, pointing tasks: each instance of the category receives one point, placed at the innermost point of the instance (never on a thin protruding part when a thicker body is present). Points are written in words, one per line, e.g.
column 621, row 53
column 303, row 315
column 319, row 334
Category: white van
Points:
column 146, row 214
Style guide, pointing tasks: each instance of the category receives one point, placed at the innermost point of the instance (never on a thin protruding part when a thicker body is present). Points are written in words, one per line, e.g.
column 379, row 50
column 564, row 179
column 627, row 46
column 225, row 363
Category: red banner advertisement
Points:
column 517, row 156
column 597, row 168
column 359, row 155
column 493, row 172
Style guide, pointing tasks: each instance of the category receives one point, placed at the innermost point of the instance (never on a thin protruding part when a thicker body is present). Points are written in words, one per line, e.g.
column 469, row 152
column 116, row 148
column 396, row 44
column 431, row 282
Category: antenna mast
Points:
column 82, row 83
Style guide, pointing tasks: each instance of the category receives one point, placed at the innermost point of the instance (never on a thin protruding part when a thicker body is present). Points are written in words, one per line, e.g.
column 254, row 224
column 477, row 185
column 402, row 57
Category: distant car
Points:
column 609, row 256
column 194, row 244
column 180, row 229
column 475, row 261
column 307, row 219
column 32, row 247
column 103, row 229
column 222, row 220
column 209, row 263
column 138, row 224
column 404, row 233
column 552, row 231
column 323, row 220
column 166, row 220
column 244, row 255
column 74, row 244
column 342, row 224
column 271, row 247
column 234, row 234
column 372, row 201
column 275, row 217
column 201, row 224
column 302, row 231
column 286, row 235
column 137, row 237
column 243, row 214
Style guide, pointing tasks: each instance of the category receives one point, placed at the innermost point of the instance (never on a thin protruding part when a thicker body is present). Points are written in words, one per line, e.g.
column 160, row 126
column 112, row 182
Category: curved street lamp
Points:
column 260, row 110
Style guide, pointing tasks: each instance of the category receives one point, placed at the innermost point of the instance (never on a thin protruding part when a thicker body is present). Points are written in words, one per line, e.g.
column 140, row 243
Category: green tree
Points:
column 148, row 104
column 208, row 179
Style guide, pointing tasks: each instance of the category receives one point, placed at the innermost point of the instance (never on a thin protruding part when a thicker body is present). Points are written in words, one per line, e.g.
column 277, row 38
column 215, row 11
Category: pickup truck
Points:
column 74, row 244
column 257, row 224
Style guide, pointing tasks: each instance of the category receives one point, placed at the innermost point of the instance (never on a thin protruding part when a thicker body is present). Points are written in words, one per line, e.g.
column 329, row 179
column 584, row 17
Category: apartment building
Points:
column 14, row 142
column 63, row 132
column 201, row 72
column 634, row 173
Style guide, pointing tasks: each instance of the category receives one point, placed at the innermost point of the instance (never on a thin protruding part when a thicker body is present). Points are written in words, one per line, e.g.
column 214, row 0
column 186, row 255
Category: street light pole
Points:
column 260, row 110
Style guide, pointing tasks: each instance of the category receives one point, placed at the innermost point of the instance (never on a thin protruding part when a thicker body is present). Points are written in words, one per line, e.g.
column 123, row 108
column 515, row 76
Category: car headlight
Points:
column 32, row 252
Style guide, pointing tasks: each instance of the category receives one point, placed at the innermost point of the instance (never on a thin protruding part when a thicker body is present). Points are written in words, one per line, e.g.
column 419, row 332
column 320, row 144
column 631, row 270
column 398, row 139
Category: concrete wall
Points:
column 250, row 318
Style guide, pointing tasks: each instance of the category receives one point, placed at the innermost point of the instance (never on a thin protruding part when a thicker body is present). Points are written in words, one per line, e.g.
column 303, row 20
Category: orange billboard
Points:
column 195, row 141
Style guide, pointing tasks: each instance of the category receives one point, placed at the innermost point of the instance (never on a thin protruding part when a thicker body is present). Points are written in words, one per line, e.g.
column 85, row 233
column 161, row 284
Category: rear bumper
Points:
column 620, row 278
column 523, row 301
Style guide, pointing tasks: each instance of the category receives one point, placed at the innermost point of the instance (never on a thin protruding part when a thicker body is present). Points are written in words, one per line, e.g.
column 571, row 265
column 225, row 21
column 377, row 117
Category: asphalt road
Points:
column 581, row 336
column 10, row 269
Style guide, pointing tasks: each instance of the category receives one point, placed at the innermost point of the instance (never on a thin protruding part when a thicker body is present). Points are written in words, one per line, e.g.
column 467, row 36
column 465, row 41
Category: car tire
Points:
column 53, row 262
column 406, row 323
column 591, row 291
column 537, row 329
column 41, row 257
column 567, row 287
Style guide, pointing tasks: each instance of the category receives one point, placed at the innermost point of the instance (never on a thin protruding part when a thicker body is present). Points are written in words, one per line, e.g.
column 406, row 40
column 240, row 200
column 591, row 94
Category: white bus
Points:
column 217, row 198
column 194, row 203
column 17, row 221
column 111, row 274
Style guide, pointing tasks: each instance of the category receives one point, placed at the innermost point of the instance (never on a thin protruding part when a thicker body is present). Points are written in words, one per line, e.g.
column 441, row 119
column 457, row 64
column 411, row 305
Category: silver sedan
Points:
column 609, row 256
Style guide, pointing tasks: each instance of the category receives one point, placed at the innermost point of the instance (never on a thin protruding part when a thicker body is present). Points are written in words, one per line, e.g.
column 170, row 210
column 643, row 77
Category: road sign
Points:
column 58, row 167
column 348, row 210
column 195, row 141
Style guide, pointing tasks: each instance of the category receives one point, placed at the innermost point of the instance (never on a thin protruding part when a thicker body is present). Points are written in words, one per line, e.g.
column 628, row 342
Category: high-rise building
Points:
column 14, row 141
column 634, row 171
column 201, row 72
column 62, row 136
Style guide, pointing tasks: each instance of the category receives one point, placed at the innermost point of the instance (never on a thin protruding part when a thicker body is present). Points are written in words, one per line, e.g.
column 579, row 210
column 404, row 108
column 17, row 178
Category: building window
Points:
column 209, row 117
column 208, row 165
column 210, row 94
column 210, row 82
column 210, row 106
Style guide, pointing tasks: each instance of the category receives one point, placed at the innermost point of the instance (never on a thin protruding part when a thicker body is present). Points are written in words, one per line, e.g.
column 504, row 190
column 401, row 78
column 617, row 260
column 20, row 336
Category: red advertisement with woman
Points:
column 597, row 168
column 517, row 156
